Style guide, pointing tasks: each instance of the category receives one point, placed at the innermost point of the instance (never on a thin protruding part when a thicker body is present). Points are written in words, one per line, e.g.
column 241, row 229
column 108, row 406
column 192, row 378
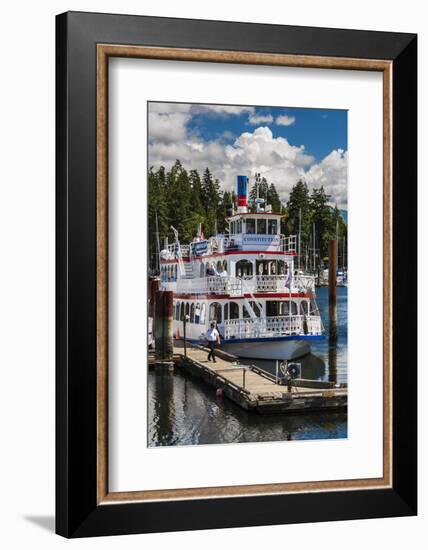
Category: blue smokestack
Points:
column 241, row 183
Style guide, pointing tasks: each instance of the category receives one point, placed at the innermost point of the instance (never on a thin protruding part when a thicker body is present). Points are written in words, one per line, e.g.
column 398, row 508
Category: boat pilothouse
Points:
column 244, row 280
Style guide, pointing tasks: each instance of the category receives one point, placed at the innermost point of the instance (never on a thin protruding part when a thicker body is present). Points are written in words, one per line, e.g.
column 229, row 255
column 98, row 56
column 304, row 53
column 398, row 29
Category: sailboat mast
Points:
column 300, row 237
column 157, row 243
column 344, row 251
column 313, row 232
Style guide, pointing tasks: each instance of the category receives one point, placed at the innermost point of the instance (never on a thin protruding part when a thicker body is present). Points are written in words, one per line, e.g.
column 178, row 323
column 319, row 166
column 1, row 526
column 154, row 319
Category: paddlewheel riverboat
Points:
column 243, row 280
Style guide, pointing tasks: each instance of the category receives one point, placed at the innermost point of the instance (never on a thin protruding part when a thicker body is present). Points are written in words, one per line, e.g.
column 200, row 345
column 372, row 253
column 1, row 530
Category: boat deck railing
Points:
column 238, row 286
column 269, row 327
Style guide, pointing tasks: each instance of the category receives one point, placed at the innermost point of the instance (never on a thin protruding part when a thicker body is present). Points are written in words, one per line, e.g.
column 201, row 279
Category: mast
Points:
column 157, row 243
column 337, row 243
column 300, row 237
column 344, row 251
column 313, row 232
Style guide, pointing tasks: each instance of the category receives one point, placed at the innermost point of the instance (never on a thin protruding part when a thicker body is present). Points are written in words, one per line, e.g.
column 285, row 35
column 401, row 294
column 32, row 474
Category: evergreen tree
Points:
column 322, row 216
column 211, row 200
column 298, row 205
column 273, row 198
column 157, row 214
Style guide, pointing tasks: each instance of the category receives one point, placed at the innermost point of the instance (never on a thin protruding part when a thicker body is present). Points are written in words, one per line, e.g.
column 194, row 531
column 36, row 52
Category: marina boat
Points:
column 244, row 281
column 341, row 278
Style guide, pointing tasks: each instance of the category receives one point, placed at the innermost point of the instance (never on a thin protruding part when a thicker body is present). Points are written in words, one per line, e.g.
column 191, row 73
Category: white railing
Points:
column 269, row 327
column 210, row 285
column 237, row 286
column 278, row 283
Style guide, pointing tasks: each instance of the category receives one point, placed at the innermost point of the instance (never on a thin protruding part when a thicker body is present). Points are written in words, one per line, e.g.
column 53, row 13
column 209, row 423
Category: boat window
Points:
column 261, row 226
column 250, row 226
column 177, row 311
column 272, row 309
column 231, row 311
column 182, row 308
column 272, row 227
column 304, row 308
column 202, row 270
column 219, row 266
column 197, row 313
column 282, row 268
column 244, row 268
column 239, row 226
column 215, row 312
column 192, row 313
column 262, row 267
column 275, row 309
column 203, row 314
column 284, row 308
column 293, row 306
column 187, row 310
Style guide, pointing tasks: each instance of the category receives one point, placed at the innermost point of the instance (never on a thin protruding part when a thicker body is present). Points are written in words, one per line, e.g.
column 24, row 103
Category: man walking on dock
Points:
column 213, row 337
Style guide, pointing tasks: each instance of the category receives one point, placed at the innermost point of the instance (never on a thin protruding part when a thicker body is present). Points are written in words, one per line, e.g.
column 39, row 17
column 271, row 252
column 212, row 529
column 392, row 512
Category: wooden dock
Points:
column 254, row 389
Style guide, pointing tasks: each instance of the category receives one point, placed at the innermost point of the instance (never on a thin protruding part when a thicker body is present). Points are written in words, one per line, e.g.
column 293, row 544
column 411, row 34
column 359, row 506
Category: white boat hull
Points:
column 278, row 349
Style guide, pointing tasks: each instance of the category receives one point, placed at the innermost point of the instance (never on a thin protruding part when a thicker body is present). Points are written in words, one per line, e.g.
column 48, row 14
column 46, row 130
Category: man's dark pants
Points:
column 211, row 354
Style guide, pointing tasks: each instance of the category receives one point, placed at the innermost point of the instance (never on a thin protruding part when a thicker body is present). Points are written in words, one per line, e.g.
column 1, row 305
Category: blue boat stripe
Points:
column 272, row 339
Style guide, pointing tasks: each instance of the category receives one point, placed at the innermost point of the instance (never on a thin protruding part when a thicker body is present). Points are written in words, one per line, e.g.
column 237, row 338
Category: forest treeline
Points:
column 184, row 199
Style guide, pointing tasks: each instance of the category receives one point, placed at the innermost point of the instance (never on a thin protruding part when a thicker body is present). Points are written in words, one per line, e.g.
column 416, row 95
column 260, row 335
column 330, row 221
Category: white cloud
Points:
column 223, row 110
column 228, row 135
column 257, row 151
column 168, row 121
column 332, row 173
column 260, row 119
column 285, row 120
column 169, row 126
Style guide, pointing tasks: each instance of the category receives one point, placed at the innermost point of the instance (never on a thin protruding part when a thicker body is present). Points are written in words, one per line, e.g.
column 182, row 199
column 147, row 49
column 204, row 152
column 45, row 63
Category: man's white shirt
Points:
column 212, row 335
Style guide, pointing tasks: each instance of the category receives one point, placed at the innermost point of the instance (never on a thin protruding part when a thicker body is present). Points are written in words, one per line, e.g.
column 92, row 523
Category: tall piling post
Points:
column 164, row 347
column 332, row 308
column 153, row 288
column 185, row 335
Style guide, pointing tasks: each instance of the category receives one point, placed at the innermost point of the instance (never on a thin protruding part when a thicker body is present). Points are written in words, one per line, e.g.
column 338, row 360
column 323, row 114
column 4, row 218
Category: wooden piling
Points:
column 332, row 309
column 153, row 288
column 163, row 323
column 332, row 364
column 185, row 335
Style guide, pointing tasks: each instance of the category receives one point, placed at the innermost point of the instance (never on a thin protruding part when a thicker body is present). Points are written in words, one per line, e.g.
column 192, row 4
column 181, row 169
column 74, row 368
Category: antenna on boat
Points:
column 259, row 201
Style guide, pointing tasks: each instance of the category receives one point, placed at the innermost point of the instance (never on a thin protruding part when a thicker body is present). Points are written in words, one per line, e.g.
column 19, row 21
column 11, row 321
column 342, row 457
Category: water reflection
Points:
column 192, row 415
column 185, row 411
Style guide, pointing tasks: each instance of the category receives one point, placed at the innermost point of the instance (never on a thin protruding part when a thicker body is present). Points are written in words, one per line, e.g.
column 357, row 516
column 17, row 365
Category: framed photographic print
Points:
column 236, row 274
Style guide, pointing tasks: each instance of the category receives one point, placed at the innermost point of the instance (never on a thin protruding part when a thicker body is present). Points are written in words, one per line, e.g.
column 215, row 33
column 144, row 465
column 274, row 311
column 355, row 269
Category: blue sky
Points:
column 319, row 130
column 284, row 144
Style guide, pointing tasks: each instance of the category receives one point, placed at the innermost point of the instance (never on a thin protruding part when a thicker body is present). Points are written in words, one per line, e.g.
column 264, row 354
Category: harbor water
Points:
column 185, row 411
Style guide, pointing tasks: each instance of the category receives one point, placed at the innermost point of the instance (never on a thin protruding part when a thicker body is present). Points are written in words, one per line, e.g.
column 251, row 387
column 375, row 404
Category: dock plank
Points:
column 260, row 391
